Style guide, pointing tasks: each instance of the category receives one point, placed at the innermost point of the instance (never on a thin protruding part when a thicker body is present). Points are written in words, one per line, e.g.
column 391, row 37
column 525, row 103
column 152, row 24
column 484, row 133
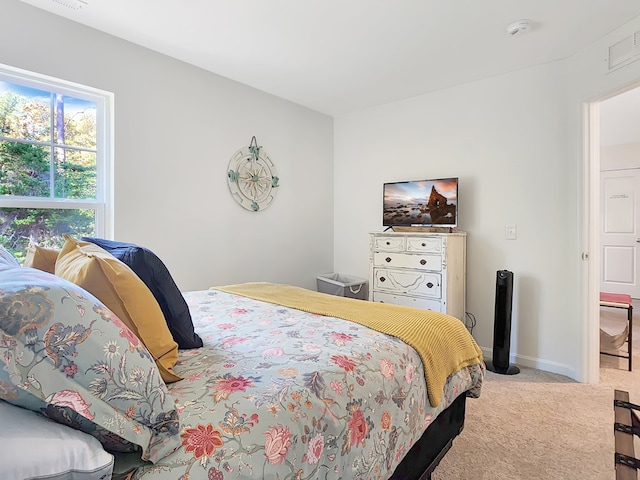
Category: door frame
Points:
column 591, row 258
column 591, row 240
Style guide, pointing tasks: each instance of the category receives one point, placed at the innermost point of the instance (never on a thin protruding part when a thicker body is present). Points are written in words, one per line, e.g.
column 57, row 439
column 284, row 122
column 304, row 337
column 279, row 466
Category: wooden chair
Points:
column 620, row 300
column 625, row 427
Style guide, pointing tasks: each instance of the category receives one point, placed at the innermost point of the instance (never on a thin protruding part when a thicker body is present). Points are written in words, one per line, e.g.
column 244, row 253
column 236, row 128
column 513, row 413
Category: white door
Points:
column 620, row 232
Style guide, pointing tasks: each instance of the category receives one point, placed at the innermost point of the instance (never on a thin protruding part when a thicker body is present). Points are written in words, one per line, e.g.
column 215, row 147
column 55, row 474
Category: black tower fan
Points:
column 502, row 325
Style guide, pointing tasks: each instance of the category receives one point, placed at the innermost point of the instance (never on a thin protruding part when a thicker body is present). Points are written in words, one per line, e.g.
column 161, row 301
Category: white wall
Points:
column 177, row 127
column 591, row 82
column 504, row 137
column 515, row 141
column 620, row 157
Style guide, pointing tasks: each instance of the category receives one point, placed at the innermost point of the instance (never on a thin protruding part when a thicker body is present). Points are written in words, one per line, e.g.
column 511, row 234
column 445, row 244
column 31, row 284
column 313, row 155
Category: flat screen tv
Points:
column 423, row 203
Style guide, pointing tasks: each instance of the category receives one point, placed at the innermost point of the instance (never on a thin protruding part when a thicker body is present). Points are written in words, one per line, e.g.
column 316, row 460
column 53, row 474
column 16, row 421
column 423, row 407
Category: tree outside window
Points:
column 53, row 161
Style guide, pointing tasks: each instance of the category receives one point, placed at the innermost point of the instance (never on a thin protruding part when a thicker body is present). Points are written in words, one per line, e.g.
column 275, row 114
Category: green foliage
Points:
column 80, row 130
column 8, row 104
column 21, row 226
column 27, row 169
column 24, row 118
column 75, row 175
column 24, row 170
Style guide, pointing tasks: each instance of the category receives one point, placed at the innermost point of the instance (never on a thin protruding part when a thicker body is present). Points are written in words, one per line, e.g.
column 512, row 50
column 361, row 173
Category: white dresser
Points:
column 419, row 269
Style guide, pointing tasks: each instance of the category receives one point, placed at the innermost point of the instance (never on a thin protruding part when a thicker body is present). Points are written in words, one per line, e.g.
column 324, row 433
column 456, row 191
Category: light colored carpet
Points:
column 539, row 425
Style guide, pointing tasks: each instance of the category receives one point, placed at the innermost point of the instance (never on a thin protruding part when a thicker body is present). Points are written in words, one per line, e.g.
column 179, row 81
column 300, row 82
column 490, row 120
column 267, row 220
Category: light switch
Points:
column 511, row 232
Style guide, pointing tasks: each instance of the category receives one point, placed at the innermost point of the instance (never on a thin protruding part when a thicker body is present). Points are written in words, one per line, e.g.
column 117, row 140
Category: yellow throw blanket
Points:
column 442, row 341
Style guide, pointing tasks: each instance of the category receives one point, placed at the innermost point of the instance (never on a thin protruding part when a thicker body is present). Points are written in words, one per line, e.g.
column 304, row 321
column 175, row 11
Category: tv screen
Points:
column 424, row 203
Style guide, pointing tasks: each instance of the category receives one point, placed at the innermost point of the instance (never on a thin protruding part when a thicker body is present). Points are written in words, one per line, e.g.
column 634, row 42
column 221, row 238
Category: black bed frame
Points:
column 423, row 458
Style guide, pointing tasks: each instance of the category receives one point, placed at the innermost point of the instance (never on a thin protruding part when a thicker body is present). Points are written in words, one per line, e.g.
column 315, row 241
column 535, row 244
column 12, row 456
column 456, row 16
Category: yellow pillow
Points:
column 121, row 290
column 41, row 258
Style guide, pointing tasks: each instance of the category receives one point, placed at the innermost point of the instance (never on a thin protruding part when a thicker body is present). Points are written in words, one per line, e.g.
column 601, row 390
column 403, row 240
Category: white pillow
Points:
column 7, row 260
column 32, row 446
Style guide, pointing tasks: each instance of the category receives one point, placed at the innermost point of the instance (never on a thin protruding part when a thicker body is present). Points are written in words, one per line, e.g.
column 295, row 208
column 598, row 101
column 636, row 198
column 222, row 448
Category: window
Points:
column 55, row 160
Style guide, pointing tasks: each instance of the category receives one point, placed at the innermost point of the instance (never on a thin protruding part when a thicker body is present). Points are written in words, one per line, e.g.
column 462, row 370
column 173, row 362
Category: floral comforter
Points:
column 283, row 394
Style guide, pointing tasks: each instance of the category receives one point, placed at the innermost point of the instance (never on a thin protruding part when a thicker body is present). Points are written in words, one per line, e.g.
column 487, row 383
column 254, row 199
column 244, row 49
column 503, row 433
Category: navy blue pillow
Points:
column 157, row 278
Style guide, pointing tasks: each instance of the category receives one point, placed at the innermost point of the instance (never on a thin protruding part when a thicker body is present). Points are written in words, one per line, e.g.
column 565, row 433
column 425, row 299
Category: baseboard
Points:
column 537, row 363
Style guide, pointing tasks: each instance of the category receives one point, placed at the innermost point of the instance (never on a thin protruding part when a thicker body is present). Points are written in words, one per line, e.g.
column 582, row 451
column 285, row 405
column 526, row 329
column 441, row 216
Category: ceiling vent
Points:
column 70, row 4
column 624, row 52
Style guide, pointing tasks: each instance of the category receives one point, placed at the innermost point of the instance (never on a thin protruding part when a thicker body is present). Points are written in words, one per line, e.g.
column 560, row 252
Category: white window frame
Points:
column 104, row 201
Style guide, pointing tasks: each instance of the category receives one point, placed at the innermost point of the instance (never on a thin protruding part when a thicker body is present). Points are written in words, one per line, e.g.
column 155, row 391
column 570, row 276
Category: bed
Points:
column 281, row 393
column 294, row 386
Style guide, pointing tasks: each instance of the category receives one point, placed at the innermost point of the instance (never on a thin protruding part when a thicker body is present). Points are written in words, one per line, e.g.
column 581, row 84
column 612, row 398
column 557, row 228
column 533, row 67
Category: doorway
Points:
column 612, row 134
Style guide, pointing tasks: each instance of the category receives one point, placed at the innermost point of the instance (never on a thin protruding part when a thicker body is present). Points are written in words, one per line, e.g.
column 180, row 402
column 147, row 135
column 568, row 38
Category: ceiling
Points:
column 336, row 56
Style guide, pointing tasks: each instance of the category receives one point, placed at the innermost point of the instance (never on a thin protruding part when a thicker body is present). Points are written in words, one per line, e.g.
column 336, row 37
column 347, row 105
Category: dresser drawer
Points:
column 403, row 260
column 389, row 244
column 407, row 282
column 415, row 302
column 424, row 245
column 419, row 269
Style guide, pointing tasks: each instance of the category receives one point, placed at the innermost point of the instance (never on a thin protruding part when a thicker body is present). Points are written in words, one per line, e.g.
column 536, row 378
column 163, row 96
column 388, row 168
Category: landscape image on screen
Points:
column 426, row 202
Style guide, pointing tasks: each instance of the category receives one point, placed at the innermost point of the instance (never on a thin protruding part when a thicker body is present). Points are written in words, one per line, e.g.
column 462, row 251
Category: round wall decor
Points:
column 252, row 176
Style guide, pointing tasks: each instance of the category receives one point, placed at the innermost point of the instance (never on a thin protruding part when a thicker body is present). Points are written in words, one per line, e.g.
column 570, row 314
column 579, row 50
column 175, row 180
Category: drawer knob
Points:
column 424, row 244
column 430, row 285
column 388, row 259
column 423, row 262
column 388, row 243
column 382, row 279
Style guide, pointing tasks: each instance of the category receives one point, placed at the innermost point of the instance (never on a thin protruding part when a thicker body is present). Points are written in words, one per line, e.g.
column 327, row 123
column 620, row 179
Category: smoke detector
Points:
column 519, row 27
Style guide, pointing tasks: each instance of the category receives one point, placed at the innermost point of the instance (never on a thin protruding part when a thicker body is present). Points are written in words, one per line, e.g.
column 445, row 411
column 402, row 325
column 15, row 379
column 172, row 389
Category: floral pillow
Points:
column 65, row 355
